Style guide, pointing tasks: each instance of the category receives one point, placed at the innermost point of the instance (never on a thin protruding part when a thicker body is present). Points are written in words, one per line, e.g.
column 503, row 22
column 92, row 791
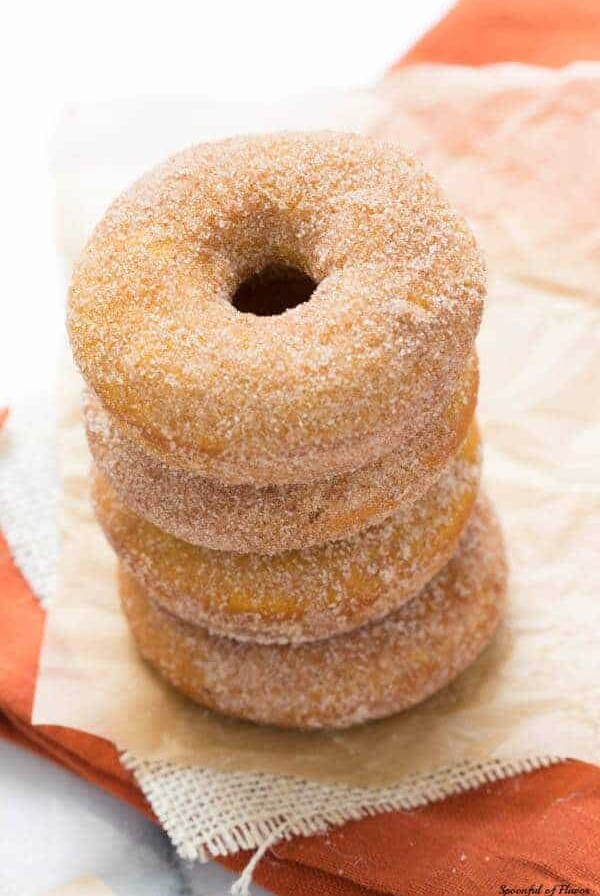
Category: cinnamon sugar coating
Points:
column 272, row 519
column 369, row 673
column 326, row 387
column 298, row 595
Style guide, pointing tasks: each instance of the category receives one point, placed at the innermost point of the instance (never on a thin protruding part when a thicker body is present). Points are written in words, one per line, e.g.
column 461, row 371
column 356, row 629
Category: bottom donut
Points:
column 369, row 673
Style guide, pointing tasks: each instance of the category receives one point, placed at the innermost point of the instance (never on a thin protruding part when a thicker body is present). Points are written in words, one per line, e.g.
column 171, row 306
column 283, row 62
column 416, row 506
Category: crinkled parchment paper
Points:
column 517, row 150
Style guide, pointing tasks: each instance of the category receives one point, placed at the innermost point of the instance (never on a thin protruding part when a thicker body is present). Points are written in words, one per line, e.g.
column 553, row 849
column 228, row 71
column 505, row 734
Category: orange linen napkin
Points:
column 539, row 830
column 536, row 32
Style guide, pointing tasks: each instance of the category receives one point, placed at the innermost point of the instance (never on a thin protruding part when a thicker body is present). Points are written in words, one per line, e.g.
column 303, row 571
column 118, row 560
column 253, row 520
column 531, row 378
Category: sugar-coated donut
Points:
column 271, row 519
column 369, row 673
column 327, row 386
column 298, row 595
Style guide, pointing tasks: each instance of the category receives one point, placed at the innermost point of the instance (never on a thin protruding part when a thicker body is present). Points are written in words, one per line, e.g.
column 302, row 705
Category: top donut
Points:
column 328, row 385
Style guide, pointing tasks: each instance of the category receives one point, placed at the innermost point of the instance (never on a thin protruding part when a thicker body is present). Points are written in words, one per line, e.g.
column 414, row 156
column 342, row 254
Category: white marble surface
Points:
column 55, row 828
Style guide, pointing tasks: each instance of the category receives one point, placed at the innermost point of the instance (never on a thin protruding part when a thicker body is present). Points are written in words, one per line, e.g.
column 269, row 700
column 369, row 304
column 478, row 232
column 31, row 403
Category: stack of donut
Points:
column 277, row 337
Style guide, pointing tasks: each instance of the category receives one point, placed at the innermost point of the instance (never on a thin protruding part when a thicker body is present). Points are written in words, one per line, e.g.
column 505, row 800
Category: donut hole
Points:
column 274, row 289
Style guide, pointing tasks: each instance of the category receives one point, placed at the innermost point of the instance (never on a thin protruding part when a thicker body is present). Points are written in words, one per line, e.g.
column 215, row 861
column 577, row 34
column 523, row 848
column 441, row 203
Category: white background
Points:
column 52, row 827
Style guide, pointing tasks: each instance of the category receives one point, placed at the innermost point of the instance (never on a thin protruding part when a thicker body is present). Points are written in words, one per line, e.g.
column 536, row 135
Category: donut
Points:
column 168, row 332
column 276, row 518
column 298, row 595
column 369, row 673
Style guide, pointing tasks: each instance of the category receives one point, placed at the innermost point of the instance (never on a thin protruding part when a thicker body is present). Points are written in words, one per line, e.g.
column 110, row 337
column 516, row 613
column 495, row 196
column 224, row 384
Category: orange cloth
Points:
column 539, row 829
column 538, row 32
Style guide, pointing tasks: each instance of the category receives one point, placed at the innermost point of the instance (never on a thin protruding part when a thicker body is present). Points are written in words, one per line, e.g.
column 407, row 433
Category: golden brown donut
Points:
column 298, row 595
column 369, row 673
column 322, row 389
column 272, row 519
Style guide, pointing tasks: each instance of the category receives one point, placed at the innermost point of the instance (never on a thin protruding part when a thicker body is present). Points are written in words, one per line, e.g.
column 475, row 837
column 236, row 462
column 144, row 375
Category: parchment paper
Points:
column 515, row 149
column 83, row 886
